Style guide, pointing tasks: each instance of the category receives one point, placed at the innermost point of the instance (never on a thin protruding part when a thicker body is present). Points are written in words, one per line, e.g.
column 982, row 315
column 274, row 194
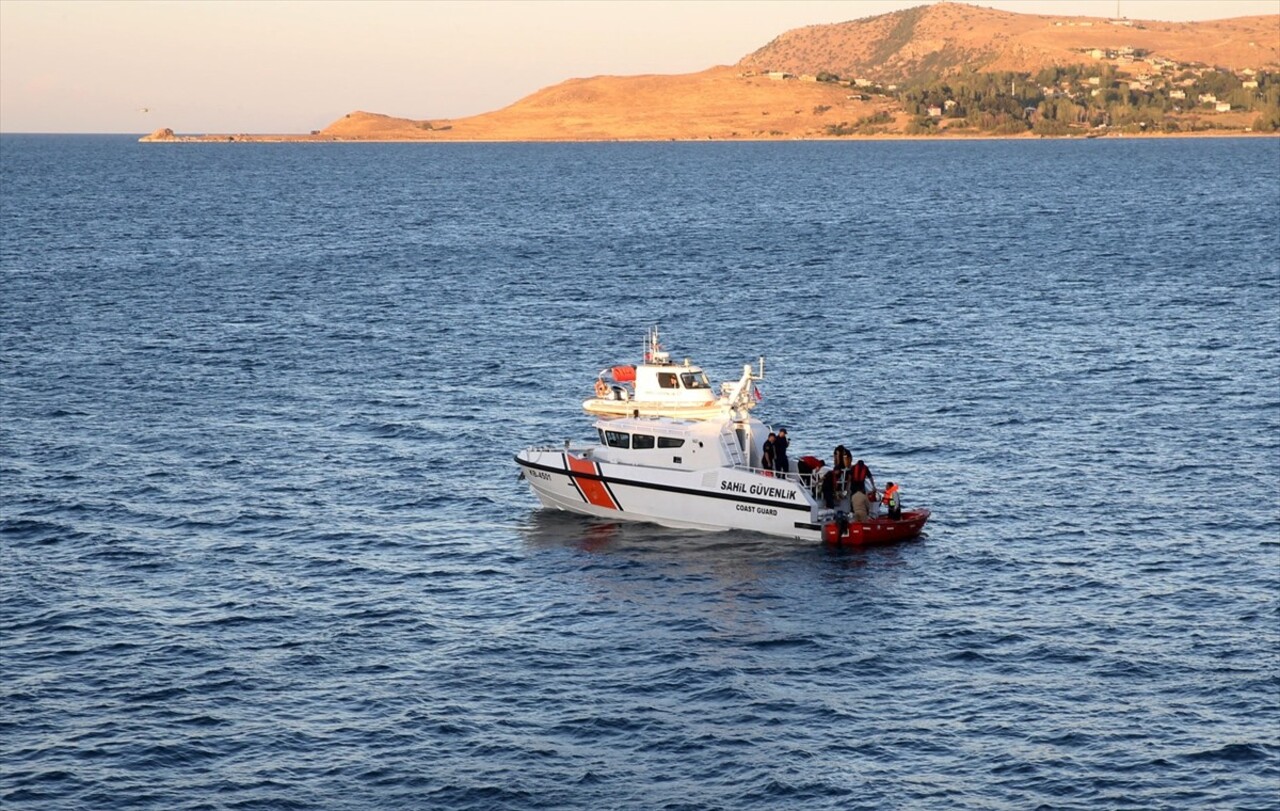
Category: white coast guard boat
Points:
column 697, row 474
column 660, row 387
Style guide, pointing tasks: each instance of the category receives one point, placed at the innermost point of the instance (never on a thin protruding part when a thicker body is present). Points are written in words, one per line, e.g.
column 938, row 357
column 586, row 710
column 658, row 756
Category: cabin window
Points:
column 669, row 442
column 695, row 380
column 667, row 380
column 617, row 439
column 641, row 441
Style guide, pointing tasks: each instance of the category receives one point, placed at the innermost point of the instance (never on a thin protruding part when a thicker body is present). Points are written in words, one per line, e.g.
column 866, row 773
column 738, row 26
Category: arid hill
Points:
column 946, row 37
column 718, row 103
column 772, row 93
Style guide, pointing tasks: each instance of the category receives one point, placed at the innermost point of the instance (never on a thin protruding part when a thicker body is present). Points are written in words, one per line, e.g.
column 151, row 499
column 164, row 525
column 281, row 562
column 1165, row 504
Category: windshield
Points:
column 695, row 380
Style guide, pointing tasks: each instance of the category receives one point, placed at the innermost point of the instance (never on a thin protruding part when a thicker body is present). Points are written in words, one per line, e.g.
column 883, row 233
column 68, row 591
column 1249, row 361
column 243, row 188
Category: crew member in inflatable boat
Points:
column 891, row 501
column 859, row 476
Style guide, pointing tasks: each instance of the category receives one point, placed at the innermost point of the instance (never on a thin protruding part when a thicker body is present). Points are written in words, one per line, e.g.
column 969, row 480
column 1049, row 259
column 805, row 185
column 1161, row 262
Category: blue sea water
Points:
column 262, row 544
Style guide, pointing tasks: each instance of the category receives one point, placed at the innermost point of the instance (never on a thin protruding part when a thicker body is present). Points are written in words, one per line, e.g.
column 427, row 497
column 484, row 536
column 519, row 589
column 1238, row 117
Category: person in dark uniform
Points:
column 780, row 443
column 767, row 452
column 836, row 480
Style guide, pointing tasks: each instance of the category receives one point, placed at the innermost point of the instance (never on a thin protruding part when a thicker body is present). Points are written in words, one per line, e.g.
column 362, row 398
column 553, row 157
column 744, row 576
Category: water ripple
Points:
column 262, row 544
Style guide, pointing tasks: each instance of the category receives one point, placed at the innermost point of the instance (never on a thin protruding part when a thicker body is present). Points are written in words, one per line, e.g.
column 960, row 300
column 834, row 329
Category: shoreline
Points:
column 333, row 139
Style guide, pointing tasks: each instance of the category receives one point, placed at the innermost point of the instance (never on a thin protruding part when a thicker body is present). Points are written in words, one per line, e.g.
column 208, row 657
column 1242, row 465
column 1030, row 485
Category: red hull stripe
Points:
column 593, row 490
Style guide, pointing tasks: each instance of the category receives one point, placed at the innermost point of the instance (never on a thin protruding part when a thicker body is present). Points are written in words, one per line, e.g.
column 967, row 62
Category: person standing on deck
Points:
column 835, row 482
column 780, row 461
column 859, row 476
column 767, row 456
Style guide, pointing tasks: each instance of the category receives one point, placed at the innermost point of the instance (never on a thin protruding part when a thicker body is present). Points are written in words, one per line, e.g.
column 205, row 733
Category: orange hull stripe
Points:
column 593, row 490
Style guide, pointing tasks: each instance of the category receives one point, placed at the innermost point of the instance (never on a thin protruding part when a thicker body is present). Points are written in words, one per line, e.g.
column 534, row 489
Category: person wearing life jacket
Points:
column 891, row 501
column 859, row 476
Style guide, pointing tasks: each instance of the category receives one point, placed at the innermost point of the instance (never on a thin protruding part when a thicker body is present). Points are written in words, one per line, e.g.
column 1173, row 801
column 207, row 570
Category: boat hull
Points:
column 713, row 499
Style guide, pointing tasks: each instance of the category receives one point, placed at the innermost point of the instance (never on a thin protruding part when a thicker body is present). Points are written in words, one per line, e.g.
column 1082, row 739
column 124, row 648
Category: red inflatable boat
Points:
column 877, row 530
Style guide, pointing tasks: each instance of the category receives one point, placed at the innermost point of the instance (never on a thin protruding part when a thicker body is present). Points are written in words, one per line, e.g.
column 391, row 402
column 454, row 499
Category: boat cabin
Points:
column 660, row 382
column 680, row 444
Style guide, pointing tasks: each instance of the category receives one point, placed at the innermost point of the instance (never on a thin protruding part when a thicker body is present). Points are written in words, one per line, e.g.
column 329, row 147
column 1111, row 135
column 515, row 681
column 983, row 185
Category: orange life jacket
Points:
column 890, row 495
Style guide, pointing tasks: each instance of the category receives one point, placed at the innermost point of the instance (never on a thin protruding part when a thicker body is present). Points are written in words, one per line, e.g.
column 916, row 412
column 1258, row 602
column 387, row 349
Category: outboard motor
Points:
column 834, row 531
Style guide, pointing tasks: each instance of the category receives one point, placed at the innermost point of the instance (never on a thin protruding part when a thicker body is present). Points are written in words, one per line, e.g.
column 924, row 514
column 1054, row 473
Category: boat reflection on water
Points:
column 551, row 529
column 555, row 529
column 561, row 530
column 880, row 555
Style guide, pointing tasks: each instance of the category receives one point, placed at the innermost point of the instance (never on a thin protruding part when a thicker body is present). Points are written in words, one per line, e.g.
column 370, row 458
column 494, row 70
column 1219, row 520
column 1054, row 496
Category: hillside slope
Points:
column 945, row 37
column 716, row 103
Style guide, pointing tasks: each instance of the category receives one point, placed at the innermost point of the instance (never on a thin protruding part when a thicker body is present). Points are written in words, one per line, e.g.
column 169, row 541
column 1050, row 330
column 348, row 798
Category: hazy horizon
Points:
column 288, row 67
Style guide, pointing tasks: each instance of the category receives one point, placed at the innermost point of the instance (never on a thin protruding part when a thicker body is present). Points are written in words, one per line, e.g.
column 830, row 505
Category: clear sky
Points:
column 293, row 66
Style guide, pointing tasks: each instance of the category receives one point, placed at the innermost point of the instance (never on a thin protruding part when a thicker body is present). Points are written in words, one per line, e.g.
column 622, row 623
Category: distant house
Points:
column 935, row 112
column 1251, row 84
column 808, row 77
column 1177, row 94
column 1098, row 53
column 862, row 82
column 1095, row 80
column 1207, row 98
column 949, row 104
column 778, row 75
column 1222, row 107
